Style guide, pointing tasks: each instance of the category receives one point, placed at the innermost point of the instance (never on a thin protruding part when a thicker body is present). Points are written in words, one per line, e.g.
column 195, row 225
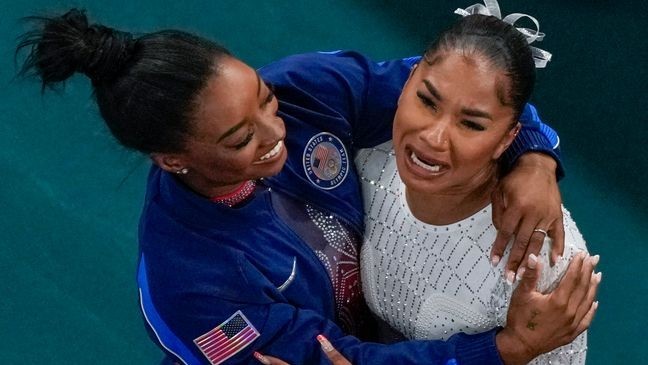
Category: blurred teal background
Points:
column 71, row 197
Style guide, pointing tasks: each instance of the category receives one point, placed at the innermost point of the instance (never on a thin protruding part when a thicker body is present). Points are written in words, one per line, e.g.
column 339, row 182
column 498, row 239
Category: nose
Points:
column 270, row 127
column 436, row 135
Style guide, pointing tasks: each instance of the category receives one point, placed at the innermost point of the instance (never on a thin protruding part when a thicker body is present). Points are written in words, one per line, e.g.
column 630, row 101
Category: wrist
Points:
column 512, row 349
column 538, row 160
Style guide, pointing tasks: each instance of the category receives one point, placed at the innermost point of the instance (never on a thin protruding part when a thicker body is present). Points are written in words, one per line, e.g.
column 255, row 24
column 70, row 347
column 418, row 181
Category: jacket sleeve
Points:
column 201, row 328
column 535, row 136
column 351, row 89
column 291, row 336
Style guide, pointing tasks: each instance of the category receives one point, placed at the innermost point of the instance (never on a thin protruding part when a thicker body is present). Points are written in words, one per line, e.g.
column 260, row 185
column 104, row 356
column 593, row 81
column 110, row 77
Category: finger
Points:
column 584, row 306
column 531, row 274
column 587, row 320
column 520, row 244
column 534, row 246
column 510, row 221
column 579, row 292
column 498, row 207
column 571, row 279
column 268, row 360
column 502, row 239
column 330, row 352
column 557, row 233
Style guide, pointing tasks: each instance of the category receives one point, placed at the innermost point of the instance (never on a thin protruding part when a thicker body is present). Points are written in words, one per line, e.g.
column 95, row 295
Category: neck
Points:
column 449, row 207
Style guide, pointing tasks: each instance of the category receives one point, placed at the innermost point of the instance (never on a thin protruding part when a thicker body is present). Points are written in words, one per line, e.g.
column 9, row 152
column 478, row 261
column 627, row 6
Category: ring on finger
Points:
column 541, row 231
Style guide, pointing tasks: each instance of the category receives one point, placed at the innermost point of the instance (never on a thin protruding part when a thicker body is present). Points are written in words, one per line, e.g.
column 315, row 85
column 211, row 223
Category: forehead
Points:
column 230, row 96
column 465, row 78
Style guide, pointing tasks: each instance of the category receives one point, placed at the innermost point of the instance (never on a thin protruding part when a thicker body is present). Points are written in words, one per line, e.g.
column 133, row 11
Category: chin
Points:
column 276, row 167
column 421, row 186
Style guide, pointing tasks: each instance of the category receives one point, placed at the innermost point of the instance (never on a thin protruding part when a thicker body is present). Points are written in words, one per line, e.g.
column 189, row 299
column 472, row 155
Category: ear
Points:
column 416, row 65
column 170, row 162
column 507, row 140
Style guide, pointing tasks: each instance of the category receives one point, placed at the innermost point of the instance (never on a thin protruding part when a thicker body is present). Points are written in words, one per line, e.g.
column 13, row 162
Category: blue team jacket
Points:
column 201, row 263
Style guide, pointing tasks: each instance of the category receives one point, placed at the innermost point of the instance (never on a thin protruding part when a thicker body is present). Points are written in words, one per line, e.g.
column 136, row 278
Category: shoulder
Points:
column 337, row 70
column 573, row 237
column 315, row 64
column 574, row 243
column 377, row 164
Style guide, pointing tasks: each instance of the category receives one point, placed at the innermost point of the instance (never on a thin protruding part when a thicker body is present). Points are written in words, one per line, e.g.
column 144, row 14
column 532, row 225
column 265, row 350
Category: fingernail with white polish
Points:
column 595, row 259
column 510, row 276
column 533, row 261
column 262, row 359
column 495, row 260
column 326, row 345
column 520, row 273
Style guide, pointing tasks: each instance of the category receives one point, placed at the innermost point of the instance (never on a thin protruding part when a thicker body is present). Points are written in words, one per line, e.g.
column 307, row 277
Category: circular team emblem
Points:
column 326, row 162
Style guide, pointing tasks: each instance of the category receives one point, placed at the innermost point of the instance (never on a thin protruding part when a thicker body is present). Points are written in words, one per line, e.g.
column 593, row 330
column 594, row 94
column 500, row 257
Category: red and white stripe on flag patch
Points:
column 227, row 339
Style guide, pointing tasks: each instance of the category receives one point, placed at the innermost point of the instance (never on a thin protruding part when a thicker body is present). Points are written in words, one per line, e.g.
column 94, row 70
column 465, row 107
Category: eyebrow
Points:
column 231, row 131
column 432, row 90
column 476, row 113
column 468, row 111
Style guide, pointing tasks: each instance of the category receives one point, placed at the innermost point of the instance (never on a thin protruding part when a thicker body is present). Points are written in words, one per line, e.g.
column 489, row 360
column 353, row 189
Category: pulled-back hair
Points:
column 145, row 87
column 503, row 46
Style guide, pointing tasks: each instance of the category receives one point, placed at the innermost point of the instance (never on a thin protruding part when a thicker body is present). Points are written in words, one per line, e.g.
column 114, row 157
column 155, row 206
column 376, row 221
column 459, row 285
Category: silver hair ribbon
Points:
column 491, row 7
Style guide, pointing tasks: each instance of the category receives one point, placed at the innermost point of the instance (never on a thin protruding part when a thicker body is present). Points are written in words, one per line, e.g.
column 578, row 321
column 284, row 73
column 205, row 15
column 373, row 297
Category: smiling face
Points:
column 236, row 133
column 452, row 125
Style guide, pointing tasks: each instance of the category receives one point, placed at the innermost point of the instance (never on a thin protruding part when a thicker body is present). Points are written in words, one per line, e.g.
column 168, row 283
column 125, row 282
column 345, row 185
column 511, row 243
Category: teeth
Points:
column 273, row 151
column 432, row 168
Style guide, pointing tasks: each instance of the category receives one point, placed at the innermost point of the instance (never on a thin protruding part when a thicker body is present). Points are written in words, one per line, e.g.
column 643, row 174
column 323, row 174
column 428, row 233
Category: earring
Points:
column 182, row 171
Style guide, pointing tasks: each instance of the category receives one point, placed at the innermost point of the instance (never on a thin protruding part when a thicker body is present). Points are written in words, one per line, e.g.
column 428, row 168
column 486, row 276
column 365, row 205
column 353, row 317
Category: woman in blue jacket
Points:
column 252, row 219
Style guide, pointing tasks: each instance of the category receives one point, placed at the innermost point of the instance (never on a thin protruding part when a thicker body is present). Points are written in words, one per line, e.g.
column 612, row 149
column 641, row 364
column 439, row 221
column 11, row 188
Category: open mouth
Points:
column 273, row 152
column 432, row 166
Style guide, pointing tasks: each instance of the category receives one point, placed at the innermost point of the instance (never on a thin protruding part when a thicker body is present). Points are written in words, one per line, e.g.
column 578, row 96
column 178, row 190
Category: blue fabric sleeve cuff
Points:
column 479, row 349
column 531, row 140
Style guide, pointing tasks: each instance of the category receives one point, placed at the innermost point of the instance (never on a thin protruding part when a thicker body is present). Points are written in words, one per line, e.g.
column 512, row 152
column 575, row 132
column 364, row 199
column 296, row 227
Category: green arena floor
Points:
column 71, row 197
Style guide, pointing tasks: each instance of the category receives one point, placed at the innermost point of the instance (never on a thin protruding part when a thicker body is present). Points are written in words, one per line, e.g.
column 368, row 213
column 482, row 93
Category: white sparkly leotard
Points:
column 430, row 282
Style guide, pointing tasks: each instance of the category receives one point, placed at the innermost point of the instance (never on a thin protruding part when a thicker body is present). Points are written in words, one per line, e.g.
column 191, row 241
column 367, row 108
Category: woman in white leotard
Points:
column 427, row 194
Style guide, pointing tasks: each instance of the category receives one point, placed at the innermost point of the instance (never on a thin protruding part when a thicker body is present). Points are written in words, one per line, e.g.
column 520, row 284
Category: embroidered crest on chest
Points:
column 326, row 161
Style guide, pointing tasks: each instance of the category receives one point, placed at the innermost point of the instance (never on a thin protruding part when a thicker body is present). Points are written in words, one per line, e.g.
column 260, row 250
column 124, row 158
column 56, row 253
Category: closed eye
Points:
column 426, row 100
column 473, row 125
column 247, row 140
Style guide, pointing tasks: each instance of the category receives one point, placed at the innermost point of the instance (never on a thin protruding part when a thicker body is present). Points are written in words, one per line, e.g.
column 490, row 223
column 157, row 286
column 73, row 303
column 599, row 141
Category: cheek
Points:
column 239, row 160
column 396, row 129
column 222, row 161
column 476, row 153
column 406, row 118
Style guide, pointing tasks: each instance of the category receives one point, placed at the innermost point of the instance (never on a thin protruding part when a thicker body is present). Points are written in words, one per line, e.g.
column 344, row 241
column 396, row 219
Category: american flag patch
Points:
column 227, row 339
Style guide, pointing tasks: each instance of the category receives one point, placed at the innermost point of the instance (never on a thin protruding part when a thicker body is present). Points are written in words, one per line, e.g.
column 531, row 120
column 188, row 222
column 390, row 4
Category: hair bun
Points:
column 68, row 44
column 109, row 51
